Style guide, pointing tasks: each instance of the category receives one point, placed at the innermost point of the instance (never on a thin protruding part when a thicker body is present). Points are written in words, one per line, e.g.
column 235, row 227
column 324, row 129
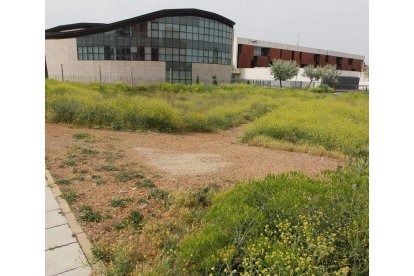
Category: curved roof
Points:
column 80, row 29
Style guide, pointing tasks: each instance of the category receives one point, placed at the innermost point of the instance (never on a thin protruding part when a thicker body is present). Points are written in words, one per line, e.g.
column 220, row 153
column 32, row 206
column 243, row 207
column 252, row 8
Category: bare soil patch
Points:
column 113, row 165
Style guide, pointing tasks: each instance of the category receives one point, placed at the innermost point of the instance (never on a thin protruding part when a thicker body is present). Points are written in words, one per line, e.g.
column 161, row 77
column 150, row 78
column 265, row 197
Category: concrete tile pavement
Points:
column 63, row 254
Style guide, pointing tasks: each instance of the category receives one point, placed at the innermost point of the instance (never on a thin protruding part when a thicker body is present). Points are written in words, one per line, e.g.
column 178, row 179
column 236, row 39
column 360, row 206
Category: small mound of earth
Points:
column 183, row 163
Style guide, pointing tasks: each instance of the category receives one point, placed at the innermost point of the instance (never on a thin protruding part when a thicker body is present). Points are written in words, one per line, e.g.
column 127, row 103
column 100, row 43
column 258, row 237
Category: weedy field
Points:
column 285, row 224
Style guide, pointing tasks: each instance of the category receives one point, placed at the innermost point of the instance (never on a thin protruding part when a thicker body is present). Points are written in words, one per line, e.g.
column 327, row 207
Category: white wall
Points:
column 263, row 73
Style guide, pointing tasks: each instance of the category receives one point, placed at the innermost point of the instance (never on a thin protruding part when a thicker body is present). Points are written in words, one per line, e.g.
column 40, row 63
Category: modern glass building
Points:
column 185, row 43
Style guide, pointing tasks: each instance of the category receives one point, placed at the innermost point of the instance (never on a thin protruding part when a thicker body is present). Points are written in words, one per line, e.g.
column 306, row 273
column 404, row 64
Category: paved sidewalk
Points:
column 63, row 254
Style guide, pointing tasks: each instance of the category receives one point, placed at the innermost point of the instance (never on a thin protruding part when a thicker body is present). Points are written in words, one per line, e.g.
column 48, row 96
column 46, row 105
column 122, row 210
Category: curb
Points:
column 77, row 231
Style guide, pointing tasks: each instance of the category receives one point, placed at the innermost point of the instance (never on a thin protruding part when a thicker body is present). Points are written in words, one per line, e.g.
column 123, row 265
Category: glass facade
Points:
column 177, row 40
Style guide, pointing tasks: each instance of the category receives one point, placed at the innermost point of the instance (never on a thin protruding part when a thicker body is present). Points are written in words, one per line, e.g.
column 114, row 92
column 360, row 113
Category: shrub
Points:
column 288, row 223
column 322, row 89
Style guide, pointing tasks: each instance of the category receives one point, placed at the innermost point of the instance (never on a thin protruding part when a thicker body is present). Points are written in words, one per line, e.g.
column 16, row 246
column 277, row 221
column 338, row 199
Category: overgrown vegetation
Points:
column 286, row 224
column 313, row 122
column 336, row 123
column 160, row 107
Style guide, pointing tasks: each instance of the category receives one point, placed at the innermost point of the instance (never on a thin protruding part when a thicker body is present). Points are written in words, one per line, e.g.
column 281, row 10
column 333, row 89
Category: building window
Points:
column 326, row 59
column 339, row 63
column 178, row 39
column 257, row 51
column 350, row 61
column 316, row 59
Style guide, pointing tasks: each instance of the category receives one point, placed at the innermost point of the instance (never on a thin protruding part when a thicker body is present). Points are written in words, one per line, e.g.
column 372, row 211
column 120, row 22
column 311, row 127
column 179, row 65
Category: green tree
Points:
column 330, row 75
column 283, row 70
column 313, row 73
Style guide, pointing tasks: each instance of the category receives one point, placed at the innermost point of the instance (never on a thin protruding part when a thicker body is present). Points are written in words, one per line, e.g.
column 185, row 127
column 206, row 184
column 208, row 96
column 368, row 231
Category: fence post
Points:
column 61, row 69
column 100, row 75
column 132, row 78
column 170, row 75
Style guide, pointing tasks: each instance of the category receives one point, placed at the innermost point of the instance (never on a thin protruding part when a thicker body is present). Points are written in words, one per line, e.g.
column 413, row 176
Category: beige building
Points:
column 178, row 45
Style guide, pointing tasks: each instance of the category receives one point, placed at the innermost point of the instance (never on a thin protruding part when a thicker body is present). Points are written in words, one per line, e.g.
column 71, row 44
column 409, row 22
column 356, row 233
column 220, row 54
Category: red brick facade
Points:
column 246, row 58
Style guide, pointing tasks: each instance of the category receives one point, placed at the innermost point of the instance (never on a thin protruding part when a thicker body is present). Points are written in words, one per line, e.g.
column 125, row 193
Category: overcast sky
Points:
column 337, row 25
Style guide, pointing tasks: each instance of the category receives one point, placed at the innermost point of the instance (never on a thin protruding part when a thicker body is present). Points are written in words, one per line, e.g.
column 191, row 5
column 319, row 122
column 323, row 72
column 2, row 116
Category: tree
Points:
column 283, row 70
column 313, row 73
column 330, row 75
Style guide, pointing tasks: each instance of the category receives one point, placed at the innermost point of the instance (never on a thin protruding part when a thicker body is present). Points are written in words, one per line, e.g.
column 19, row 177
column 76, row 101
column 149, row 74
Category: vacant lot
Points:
column 149, row 200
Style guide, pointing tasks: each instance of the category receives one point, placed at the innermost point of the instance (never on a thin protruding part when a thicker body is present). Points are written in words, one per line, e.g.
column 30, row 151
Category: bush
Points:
column 286, row 223
column 322, row 89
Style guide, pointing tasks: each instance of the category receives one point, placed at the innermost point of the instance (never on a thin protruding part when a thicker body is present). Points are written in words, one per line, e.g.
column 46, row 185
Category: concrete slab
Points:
column 54, row 218
column 64, row 259
column 51, row 203
column 58, row 236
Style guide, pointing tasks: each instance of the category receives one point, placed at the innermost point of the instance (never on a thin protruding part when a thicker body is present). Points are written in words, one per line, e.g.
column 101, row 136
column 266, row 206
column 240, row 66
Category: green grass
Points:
column 295, row 120
column 63, row 181
column 144, row 183
column 97, row 179
column 128, row 176
column 88, row 150
column 71, row 162
column 87, row 214
column 121, row 224
column 158, row 193
column 135, row 218
column 288, row 224
column 120, row 258
column 159, row 107
column 334, row 123
column 78, row 178
column 70, row 196
column 82, row 136
column 119, row 202
column 107, row 168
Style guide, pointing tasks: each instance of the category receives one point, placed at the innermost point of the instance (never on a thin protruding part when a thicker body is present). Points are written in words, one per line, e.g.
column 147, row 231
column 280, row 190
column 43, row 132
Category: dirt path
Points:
column 91, row 170
column 189, row 160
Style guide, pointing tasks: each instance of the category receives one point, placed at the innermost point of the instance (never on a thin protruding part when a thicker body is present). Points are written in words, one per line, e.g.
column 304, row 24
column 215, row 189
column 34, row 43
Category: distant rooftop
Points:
column 268, row 44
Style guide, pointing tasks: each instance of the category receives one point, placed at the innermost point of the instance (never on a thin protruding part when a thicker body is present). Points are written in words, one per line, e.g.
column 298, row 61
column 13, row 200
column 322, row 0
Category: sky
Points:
column 336, row 25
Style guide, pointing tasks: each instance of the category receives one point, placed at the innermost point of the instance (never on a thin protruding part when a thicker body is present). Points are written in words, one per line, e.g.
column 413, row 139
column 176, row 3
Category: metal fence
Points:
column 302, row 84
column 285, row 84
column 133, row 80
